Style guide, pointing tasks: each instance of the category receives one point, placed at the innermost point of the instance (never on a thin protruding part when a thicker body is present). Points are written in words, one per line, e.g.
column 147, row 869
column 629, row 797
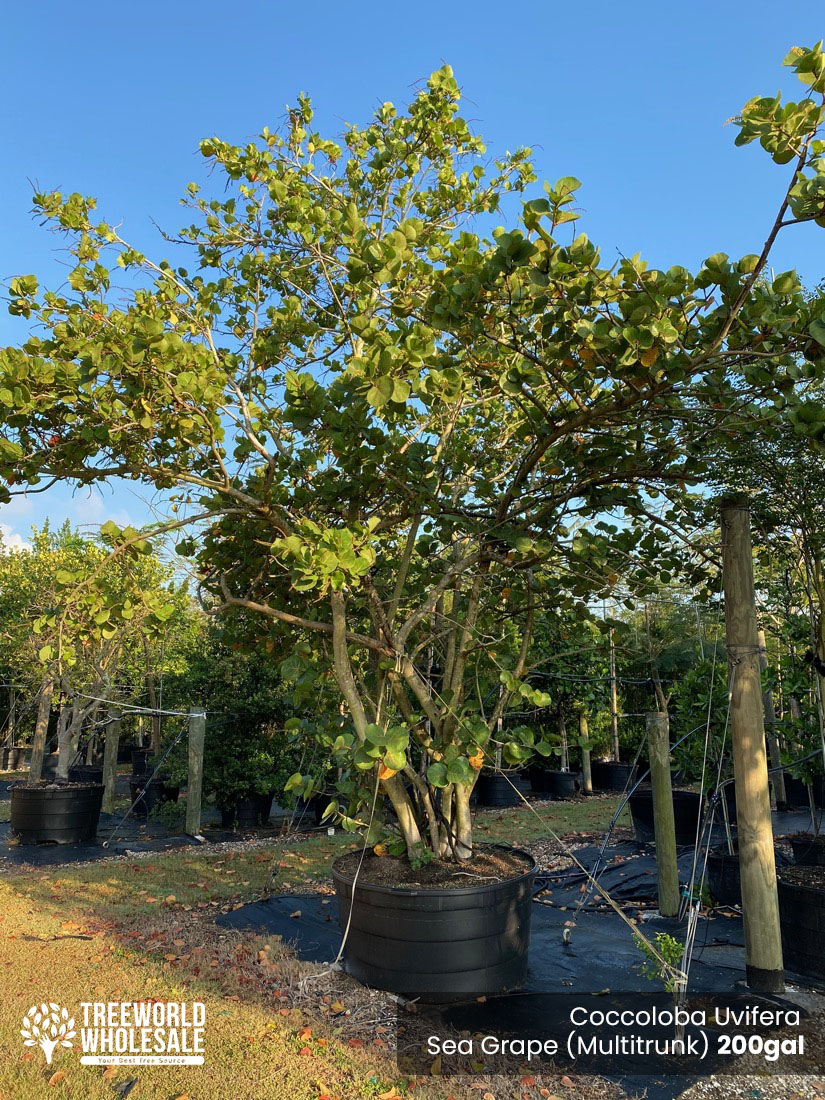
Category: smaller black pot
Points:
column 49, row 769
column 687, row 810
column 141, row 761
column 564, row 785
column 796, row 793
column 809, row 851
column 15, row 758
column 86, row 773
column 247, row 812
column 610, row 775
column 723, row 877
column 313, row 809
column 539, row 783
column 497, row 790
column 155, row 790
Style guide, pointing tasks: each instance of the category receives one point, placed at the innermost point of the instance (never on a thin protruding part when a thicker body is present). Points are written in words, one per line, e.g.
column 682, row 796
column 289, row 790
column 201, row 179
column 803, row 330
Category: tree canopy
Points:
column 400, row 431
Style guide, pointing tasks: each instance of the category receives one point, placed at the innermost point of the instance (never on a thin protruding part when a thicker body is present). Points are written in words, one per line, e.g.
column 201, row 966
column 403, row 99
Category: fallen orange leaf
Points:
column 56, row 1078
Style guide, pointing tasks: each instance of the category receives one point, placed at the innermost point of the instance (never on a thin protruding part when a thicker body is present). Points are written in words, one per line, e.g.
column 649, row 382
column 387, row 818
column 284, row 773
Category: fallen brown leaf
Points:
column 56, row 1078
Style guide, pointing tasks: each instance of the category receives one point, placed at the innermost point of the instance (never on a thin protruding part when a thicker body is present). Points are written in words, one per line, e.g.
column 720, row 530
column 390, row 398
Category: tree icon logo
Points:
column 47, row 1026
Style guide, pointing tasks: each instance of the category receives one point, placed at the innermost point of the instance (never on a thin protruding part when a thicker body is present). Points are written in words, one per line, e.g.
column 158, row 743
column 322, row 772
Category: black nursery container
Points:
column 687, row 810
column 610, row 775
column 312, row 810
column 802, row 919
column 85, row 773
column 49, row 769
column 15, row 757
column 808, row 851
column 155, row 790
column 247, row 812
column 563, row 785
column 141, row 759
column 723, row 878
column 438, row 944
column 60, row 815
column 498, row 790
column 796, row 793
column 538, row 781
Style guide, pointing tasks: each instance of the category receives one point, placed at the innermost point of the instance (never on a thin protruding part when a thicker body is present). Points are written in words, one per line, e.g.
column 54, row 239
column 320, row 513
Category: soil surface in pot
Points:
column 807, row 875
column 56, row 785
column 487, row 866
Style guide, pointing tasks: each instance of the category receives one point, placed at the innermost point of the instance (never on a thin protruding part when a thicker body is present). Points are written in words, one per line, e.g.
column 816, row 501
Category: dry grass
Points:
column 131, row 928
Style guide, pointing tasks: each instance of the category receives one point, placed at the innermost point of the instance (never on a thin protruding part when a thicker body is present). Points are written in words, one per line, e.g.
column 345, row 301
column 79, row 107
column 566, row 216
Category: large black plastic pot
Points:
column 61, row 815
column 808, row 851
column 141, row 760
column 49, row 769
column 438, row 943
column 609, row 775
column 539, row 783
column 687, row 809
column 15, row 757
column 497, row 790
column 729, row 792
column 155, row 790
column 796, row 793
column 563, row 785
column 312, row 810
column 723, row 878
column 802, row 918
column 246, row 812
column 86, row 773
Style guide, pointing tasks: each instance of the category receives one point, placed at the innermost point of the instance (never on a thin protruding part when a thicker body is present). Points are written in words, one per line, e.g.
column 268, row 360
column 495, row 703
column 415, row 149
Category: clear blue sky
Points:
column 112, row 100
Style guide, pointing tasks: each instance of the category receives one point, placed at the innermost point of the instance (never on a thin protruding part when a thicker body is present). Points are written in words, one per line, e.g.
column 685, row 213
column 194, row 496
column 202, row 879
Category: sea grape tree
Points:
column 398, row 431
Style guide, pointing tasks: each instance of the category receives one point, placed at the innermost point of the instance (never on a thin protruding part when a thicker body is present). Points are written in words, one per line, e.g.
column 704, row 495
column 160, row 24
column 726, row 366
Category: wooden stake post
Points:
column 194, row 786
column 667, row 870
column 584, row 736
column 110, row 747
column 760, row 907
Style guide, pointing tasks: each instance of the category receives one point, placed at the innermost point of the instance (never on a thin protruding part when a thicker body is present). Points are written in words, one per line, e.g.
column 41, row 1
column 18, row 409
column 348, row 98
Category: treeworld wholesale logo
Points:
column 47, row 1026
column 133, row 1033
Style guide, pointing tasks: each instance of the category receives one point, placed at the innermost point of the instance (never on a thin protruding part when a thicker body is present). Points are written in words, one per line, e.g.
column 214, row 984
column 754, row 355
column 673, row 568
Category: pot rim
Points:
column 803, row 886
column 51, row 788
column 439, row 891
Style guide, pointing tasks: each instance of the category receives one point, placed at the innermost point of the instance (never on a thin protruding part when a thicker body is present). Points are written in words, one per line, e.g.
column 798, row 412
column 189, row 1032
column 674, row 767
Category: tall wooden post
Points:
column 194, row 786
column 770, row 729
column 584, row 736
column 664, row 823
column 614, row 698
column 41, row 731
column 12, row 731
column 757, row 869
column 110, row 747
